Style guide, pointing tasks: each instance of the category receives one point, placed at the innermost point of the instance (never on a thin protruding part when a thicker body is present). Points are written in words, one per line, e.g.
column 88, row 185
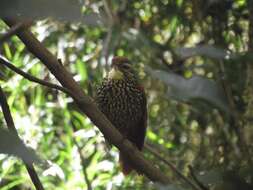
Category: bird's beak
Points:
column 115, row 74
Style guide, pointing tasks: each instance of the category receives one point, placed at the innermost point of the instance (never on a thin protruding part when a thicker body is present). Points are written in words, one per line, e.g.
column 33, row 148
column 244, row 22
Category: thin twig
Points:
column 86, row 178
column 32, row 78
column 83, row 162
column 11, row 126
column 14, row 29
column 167, row 162
column 201, row 185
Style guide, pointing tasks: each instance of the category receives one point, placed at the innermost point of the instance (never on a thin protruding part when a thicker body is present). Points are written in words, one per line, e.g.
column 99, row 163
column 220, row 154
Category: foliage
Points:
column 193, row 59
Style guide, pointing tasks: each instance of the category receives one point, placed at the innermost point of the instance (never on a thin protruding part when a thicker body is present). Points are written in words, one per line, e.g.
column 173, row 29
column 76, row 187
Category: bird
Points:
column 122, row 99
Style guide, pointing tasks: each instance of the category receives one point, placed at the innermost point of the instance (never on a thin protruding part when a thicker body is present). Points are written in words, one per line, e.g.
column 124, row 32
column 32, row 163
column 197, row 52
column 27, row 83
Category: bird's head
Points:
column 121, row 69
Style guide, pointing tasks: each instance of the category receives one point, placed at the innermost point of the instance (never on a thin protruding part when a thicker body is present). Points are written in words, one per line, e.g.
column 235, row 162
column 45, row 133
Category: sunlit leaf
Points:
column 7, row 51
column 81, row 67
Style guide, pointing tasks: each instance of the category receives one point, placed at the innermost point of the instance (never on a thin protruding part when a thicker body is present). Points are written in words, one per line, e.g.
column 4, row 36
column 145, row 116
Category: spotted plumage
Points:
column 122, row 99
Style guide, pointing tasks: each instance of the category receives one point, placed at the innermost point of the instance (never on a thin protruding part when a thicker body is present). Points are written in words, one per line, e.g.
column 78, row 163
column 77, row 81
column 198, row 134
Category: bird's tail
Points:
column 125, row 164
column 137, row 137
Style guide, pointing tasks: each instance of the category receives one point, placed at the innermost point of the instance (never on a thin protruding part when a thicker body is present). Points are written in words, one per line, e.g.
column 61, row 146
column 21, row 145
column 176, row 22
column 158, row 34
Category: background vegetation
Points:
column 195, row 61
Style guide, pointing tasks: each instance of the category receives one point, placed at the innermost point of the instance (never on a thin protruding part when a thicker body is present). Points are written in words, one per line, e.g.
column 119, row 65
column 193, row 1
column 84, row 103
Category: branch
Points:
column 88, row 106
column 11, row 126
column 167, row 162
column 14, row 29
column 5, row 62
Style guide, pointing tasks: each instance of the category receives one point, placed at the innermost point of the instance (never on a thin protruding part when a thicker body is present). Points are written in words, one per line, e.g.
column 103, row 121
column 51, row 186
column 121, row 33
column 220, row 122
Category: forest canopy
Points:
column 194, row 59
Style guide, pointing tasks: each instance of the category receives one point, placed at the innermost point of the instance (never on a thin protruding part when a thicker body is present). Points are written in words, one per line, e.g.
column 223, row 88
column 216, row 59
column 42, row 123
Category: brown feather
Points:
column 124, row 103
column 137, row 136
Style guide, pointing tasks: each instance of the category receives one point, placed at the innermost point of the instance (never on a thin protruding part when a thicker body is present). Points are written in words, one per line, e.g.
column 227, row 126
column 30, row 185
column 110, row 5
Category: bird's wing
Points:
column 138, row 132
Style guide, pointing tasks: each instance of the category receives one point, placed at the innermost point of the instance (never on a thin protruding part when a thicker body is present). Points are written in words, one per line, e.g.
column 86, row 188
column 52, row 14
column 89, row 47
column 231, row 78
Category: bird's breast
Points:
column 121, row 102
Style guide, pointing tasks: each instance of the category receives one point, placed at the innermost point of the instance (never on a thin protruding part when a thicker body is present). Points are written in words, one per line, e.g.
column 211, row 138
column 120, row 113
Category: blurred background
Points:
column 194, row 60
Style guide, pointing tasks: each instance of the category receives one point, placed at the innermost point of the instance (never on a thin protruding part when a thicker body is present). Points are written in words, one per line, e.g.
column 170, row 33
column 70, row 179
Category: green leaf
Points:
column 7, row 51
column 82, row 70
